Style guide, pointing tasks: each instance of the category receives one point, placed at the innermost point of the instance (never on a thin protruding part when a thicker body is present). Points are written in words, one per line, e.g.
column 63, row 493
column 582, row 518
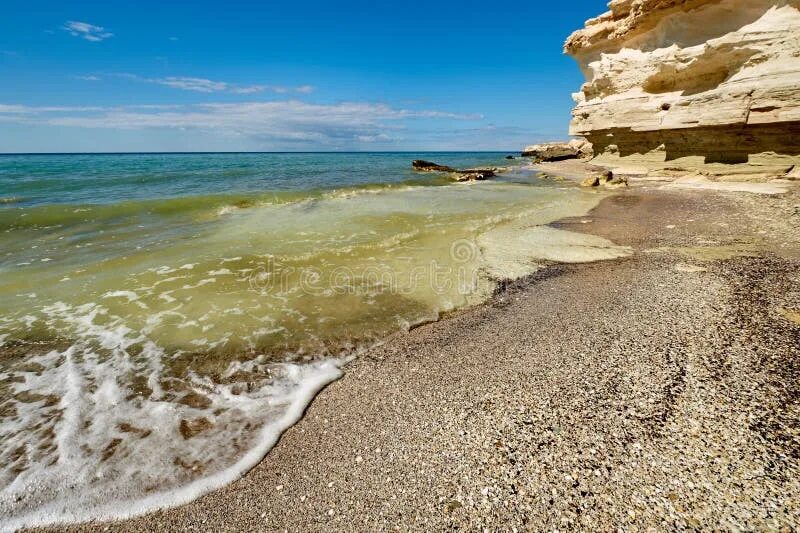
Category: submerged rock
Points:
column 592, row 181
column 606, row 176
column 481, row 173
column 617, row 181
column 470, row 174
column 475, row 176
column 428, row 166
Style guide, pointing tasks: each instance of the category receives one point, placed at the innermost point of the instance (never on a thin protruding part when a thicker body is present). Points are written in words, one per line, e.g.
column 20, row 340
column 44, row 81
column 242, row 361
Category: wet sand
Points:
column 655, row 391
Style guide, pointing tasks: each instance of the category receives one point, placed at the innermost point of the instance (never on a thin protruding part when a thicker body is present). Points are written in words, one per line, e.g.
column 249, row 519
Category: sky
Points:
column 286, row 75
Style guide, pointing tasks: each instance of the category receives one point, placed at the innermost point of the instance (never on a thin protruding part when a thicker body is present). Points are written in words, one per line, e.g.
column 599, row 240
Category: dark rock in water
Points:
column 509, row 157
column 470, row 174
column 484, row 172
column 592, row 181
column 427, row 166
column 618, row 181
column 475, row 176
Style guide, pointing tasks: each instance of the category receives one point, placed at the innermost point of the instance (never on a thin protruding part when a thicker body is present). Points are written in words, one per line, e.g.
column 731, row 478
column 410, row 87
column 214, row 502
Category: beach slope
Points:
column 657, row 391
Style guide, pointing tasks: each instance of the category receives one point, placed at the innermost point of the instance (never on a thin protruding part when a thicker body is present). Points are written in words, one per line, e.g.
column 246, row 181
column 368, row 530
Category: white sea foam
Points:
column 133, row 416
column 87, row 442
column 513, row 251
column 226, row 210
column 130, row 295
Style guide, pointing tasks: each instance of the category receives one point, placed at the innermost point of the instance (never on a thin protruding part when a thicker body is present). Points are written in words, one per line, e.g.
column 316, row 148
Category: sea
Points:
column 165, row 317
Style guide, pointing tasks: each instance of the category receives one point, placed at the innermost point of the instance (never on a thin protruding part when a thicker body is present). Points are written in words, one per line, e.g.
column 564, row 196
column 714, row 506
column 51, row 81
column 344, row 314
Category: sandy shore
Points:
column 656, row 391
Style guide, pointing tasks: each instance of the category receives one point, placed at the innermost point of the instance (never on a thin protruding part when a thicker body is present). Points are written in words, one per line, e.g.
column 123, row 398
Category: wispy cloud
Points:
column 200, row 85
column 6, row 108
column 381, row 137
column 87, row 31
column 88, row 78
column 284, row 123
column 39, row 110
column 251, row 89
column 205, row 85
column 277, row 89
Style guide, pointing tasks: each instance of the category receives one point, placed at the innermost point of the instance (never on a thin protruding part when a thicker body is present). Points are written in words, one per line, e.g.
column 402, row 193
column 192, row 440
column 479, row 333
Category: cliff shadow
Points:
column 720, row 144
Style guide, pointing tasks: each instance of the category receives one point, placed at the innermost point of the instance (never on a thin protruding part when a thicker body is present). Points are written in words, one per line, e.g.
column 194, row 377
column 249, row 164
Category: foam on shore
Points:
column 514, row 251
column 152, row 450
column 165, row 360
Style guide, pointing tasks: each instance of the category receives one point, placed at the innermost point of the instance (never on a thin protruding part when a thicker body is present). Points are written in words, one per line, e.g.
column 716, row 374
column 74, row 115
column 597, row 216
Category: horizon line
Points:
column 271, row 152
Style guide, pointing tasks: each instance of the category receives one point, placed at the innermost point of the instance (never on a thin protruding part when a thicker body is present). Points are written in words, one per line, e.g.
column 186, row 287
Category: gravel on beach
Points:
column 658, row 391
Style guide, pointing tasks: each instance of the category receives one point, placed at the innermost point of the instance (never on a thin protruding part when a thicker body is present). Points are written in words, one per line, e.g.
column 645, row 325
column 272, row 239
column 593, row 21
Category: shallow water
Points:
column 164, row 317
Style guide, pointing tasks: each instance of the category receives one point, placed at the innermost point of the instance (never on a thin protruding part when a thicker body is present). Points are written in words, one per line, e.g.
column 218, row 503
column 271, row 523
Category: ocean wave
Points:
column 190, row 332
column 8, row 200
column 60, row 214
column 103, row 429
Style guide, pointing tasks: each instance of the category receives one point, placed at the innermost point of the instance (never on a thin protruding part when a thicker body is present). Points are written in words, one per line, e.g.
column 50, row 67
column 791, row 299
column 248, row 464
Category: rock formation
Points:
column 704, row 84
column 558, row 151
column 470, row 174
column 427, row 166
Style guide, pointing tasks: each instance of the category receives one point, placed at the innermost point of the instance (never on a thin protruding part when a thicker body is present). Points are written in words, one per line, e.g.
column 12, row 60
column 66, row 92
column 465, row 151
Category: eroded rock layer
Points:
column 692, row 83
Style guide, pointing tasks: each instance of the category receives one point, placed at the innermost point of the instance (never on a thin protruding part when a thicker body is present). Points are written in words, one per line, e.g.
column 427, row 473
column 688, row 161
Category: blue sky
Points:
column 299, row 75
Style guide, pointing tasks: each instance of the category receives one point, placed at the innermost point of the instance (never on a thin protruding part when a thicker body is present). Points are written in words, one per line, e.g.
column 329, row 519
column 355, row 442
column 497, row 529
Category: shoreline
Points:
column 503, row 248
column 417, row 432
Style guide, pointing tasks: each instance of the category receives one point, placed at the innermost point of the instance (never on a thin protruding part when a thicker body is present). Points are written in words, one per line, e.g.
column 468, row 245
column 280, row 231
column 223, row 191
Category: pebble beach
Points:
column 654, row 391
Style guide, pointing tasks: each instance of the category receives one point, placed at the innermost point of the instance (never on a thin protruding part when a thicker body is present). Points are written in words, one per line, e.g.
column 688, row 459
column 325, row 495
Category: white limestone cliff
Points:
column 704, row 84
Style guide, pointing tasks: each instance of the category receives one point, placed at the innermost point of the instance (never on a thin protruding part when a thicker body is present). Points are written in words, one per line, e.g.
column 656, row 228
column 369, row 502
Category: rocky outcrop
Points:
column 427, row 166
column 558, row 151
column 676, row 84
column 606, row 178
column 471, row 174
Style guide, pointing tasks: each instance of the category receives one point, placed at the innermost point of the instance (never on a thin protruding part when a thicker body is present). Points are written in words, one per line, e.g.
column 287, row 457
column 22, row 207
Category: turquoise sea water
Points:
column 163, row 317
column 28, row 180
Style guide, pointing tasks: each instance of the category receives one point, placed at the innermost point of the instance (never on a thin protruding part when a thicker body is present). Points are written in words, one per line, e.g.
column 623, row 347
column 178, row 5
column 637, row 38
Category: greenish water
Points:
column 164, row 317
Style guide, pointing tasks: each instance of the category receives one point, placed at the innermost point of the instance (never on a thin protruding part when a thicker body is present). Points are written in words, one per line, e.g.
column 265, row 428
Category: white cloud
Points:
column 277, row 89
column 381, row 137
column 88, row 78
column 285, row 123
column 87, row 31
column 205, row 85
column 5, row 108
column 201, row 85
column 30, row 110
column 252, row 89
